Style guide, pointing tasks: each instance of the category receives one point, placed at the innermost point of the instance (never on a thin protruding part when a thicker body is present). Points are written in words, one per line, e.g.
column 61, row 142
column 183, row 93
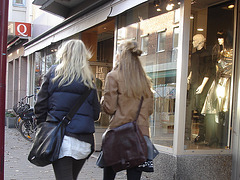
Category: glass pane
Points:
column 144, row 45
column 210, row 74
column 177, row 15
column 151, row 18
column 175, row 43
column 38, row 72
column 43, row 61
column 161, row 41
column 19, row 1
column 175, row 37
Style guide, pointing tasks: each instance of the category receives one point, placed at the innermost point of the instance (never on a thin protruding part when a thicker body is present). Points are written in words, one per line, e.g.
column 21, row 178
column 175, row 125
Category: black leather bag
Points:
column 47, row 143
column 124, row 147
column 49, row 136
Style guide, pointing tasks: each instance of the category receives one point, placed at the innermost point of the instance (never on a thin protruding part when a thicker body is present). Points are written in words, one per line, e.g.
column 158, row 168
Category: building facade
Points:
column 25, row 22
column 190, row 51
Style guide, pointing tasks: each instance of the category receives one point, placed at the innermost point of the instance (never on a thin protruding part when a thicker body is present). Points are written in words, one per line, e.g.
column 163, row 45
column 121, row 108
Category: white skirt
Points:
column 74, row 148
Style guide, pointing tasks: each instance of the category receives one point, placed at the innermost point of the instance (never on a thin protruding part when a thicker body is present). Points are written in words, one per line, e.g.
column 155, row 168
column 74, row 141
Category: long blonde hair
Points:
column 74, row 56
column 137, row 83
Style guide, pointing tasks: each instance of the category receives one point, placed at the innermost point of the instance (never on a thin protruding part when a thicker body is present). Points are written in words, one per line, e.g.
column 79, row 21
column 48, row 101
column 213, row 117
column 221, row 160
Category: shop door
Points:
column 100, row 40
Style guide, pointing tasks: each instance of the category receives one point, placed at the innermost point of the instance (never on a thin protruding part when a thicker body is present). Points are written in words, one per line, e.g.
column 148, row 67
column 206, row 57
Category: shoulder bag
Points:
column 124, row 147
column 49, row 136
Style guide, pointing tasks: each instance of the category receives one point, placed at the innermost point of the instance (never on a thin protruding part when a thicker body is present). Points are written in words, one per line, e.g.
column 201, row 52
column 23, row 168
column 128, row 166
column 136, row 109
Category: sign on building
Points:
column 19, row 29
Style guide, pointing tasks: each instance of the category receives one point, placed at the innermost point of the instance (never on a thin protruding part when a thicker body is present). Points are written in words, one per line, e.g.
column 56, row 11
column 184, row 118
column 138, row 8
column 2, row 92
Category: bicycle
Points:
column 25, row 121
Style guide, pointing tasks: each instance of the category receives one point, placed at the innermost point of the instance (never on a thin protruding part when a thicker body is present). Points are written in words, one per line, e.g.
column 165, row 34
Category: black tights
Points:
column 67, row 168
column 132, row 174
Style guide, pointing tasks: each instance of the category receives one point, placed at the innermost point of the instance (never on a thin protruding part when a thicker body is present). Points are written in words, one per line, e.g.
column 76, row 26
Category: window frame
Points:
column 158, row 41
column 142, row 37
column 176, row 12
column 173, row 39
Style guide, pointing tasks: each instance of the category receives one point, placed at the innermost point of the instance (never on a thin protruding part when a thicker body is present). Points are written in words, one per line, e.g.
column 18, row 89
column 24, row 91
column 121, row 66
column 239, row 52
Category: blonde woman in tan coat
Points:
column 125, row 85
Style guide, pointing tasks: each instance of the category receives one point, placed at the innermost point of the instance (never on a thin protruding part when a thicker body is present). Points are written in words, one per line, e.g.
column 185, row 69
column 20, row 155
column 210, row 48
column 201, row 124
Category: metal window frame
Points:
column 235, row 145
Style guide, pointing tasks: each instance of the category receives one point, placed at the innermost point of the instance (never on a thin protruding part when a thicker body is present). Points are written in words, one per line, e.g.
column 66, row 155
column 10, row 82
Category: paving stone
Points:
column 17, row 167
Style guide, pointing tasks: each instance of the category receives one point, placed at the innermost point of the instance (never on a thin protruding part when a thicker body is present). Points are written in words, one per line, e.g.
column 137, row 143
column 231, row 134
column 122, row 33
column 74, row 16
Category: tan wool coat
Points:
column 122, row 108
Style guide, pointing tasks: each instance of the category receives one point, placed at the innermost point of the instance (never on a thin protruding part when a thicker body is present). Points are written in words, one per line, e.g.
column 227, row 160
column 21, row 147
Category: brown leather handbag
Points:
column 124, row 147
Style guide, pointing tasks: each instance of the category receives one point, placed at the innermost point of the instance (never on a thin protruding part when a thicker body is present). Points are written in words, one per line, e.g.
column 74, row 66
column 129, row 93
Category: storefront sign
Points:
column 19, row 29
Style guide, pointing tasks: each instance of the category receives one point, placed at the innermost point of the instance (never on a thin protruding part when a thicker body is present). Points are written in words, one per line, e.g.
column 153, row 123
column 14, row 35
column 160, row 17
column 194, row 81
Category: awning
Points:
column 119, row 7
column 84, row 22
column 80, row 24
column 162, row 74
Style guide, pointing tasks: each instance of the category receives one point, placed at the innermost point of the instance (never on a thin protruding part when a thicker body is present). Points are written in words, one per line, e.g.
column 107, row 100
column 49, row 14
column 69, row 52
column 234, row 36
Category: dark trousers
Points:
column 132, row 174
column 67, row 168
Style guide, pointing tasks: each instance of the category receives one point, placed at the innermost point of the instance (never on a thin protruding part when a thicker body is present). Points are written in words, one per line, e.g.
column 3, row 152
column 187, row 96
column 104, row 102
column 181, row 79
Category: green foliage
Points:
column 9, row 114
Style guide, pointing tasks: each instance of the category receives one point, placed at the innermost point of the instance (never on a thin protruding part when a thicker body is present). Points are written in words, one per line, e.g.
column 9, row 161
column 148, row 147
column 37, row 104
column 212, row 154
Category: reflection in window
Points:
column 177, row 15
column 19, row 2
column 42, row 65
column 175, row 43
column 159, row 66
column 161, row 41
column 144, row 44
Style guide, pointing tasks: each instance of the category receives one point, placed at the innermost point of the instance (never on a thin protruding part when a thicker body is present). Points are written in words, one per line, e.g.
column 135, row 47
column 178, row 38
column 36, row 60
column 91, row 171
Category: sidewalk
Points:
column 17, row 167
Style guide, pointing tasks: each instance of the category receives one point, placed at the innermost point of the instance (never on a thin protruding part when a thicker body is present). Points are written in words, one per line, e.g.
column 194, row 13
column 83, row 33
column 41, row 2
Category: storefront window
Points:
column 154, row 28
column 43, row 61
column 209, row 76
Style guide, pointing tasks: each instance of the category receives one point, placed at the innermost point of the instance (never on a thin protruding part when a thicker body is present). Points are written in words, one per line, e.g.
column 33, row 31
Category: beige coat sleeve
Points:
column 109, row 103
column 150, row 110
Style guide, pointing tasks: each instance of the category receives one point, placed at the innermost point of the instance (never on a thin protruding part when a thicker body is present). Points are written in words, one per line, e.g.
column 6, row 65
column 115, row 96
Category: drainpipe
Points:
column 3, row 59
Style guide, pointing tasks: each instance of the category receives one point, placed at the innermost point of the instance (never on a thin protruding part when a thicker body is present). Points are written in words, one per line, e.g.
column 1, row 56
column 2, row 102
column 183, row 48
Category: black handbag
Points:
column 49, row 136
column 124, row 147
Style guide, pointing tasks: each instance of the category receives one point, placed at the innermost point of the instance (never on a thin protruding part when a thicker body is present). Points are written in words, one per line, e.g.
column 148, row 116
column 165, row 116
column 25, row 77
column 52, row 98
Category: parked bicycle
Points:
column 25, row 121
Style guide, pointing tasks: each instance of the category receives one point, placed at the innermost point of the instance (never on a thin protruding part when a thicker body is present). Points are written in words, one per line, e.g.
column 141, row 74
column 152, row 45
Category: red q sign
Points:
column 22, row 29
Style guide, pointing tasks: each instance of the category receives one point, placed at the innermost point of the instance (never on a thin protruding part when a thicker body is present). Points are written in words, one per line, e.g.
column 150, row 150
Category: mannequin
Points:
column 197, row 79
column 216, row 105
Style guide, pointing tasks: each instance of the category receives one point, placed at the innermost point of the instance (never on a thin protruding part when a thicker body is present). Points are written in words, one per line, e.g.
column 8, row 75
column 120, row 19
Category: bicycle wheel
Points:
column 27, row 130
column 18, row 120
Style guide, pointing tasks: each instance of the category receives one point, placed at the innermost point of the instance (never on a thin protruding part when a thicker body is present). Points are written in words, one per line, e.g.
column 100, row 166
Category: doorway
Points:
column 100, row 40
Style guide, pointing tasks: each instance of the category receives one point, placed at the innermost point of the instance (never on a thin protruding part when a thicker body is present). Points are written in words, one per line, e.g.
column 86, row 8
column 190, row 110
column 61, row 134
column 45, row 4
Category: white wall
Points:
column 41, row 21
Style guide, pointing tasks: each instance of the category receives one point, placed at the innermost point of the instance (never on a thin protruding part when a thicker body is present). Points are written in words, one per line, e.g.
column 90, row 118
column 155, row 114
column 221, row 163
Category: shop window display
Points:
column 209, row 80
column 155, row 28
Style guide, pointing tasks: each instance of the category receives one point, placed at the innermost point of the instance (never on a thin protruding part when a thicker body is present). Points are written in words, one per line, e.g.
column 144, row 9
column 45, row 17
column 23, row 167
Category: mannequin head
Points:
column 198, row 41
column 220, row 37
column 221, row 41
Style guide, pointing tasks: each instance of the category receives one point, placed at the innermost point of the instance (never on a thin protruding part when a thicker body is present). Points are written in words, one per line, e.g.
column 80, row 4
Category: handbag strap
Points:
column 76, row 106
column 139, row 108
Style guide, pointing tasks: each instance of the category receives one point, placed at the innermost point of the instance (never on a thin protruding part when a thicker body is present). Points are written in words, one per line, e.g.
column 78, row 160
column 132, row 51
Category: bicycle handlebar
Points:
column 22, row 99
